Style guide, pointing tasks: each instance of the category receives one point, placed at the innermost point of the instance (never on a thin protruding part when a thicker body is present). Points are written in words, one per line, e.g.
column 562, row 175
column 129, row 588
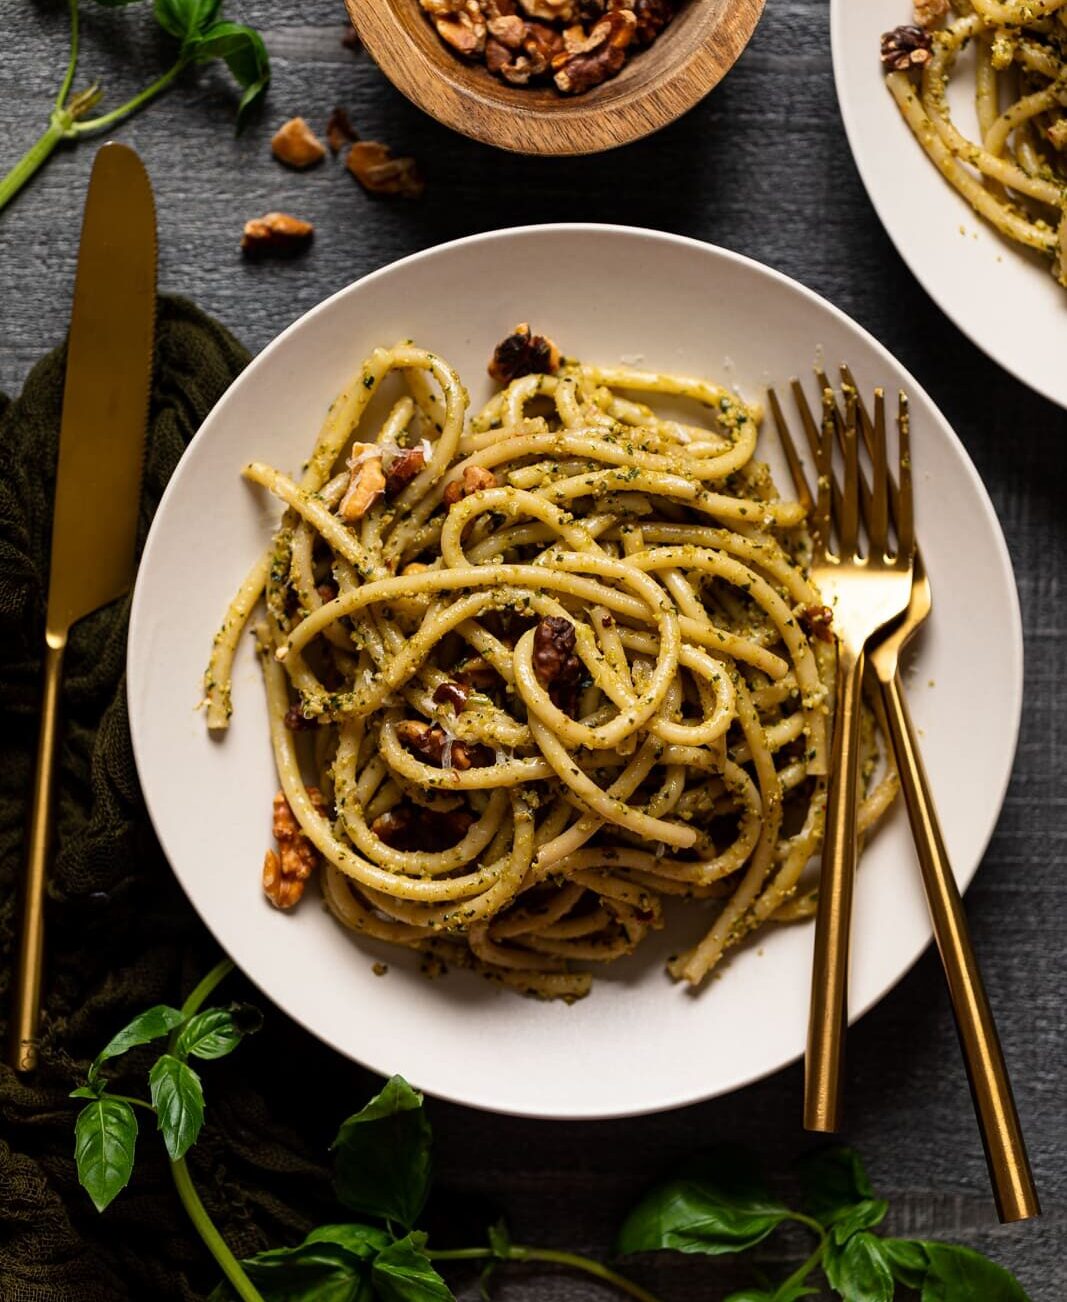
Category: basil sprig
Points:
column 202, row 37
column 716, row 1204
column 720, row 1205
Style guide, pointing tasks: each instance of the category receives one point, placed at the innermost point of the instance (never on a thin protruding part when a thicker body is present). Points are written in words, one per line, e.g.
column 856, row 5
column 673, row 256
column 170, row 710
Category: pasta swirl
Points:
column 552, row 663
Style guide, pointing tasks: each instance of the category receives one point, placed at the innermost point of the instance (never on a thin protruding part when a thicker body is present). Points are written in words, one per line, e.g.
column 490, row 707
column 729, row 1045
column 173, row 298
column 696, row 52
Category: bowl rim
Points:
column 573, row 127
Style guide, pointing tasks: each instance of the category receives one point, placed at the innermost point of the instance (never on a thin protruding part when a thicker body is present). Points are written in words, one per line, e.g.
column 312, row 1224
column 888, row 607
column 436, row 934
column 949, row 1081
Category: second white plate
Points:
column 1002, row 296
column 638, row 1043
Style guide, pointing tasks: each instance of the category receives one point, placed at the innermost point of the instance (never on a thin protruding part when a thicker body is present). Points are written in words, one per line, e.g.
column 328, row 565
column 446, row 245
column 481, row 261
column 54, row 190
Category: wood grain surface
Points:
column 761, row 166
column 654, row 87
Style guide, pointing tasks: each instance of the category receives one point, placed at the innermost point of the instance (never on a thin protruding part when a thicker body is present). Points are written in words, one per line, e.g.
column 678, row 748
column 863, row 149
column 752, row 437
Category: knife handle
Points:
column 27, row 1006
column 998, row 1120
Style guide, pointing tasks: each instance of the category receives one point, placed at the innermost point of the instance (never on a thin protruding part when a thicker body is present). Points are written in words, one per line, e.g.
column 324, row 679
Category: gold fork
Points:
column 867, row 589
column 1005, row 1149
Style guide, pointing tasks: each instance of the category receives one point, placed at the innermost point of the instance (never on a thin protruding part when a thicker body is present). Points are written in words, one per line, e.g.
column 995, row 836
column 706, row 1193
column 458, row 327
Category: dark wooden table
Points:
column 762, row 167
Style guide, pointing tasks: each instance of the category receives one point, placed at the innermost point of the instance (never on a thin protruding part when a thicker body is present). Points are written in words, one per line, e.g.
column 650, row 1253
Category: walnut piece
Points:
column 653, row 16
column 406, row 827
column 452, row 693
column 402, row 470
column 295, row 144
column 817, row 621
column 275, row 234
column 904, row 48
column 928, row 13
column 550, row 11
column 459, row 23
column 557, row 666
column 433, row 745
column 339, row 131
column 523, row 353
column 475, row 478
column 375, row 168
column 601, row 57
column 286, row 869
column 366, row 482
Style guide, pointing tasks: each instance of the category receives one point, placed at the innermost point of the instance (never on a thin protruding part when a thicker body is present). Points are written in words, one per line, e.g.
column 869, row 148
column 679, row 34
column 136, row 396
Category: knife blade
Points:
column 97, row 496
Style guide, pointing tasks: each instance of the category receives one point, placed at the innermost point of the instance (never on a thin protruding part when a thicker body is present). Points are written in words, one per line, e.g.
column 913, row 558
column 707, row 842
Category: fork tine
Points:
column 867, row 427
column 808, row 421
column 905, row 505
column 848, row 520
column 796, row 468
column 878, row 511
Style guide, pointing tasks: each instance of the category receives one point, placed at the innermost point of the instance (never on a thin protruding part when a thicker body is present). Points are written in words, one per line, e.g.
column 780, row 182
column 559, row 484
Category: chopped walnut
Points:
column 295, row 144
column 339, row 131
column 433, row 745
column 523, row 353
column 276, row 234
column 652, row 17
column 557, row 666
column 928, row 13
column 459, row 23
column 375, row 168
column 508, row 30
column 366, row 482
column 416, row 828
column 817, row 621
column 297, row 721
column 475, row 478
column 286, row 869
column 603, row 55
column 415, row 567
column 402, row 469
column 351, row 40
column 452, row 693
column 564, row 11
column 904, row 48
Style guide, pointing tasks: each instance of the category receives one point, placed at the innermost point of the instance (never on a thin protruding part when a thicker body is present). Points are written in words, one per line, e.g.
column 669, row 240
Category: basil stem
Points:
column 516, row 1252
column 183, row 1182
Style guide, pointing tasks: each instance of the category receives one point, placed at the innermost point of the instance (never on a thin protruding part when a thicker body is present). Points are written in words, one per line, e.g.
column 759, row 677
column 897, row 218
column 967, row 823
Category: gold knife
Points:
column 98, row 484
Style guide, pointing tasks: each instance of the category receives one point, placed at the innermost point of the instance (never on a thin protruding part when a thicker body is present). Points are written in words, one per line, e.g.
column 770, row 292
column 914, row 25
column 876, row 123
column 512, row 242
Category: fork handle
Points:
column 828, row 1014
column 998, row 1121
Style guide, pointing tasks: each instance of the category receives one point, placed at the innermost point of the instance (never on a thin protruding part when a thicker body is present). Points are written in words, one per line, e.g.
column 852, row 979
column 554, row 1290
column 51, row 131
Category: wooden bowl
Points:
column 656, row 85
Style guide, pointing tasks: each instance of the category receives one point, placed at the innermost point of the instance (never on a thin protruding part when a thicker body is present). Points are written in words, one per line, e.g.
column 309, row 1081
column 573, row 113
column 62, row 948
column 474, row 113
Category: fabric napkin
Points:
column 120, row 934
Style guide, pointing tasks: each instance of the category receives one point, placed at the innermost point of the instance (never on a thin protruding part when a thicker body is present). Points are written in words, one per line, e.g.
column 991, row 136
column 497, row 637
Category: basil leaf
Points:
column 185, row 18
column 718, row 1206
column 104, row 1137
column 402, row 1273
column 362, row 1241
column 958, row 1274
column 216, row 1031
column 382, row 1164
column 245, row 55
column 150, row 1025
column 179, row 1103
column 834, row 1183
column 864, row 1216
column 91, row 1091
column 908, row 1262
column 859, row 1271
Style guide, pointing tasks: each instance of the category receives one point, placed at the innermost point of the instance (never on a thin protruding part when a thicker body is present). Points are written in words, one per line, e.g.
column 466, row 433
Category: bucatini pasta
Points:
column 551, row 664
column 1015, row 173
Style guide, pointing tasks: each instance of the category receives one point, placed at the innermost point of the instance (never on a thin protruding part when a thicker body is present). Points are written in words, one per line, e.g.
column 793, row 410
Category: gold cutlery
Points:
column 101, row 446
column 1005, row 1149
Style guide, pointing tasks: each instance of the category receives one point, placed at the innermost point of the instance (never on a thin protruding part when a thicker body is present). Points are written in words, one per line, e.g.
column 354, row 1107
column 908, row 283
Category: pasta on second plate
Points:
column 552, row 664
column 1015, row 173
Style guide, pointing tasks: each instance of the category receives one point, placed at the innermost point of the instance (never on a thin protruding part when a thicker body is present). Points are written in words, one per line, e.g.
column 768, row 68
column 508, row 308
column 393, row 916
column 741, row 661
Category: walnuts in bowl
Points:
column 571, row 44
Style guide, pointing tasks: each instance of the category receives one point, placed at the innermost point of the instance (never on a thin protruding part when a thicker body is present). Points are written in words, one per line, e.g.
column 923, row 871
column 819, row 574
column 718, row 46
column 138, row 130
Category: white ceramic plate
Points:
column 638, row 1043
column 1001, row 295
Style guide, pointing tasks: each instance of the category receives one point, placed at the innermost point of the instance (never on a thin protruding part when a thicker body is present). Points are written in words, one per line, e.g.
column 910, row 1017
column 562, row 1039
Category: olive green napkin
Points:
column 121, row 935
